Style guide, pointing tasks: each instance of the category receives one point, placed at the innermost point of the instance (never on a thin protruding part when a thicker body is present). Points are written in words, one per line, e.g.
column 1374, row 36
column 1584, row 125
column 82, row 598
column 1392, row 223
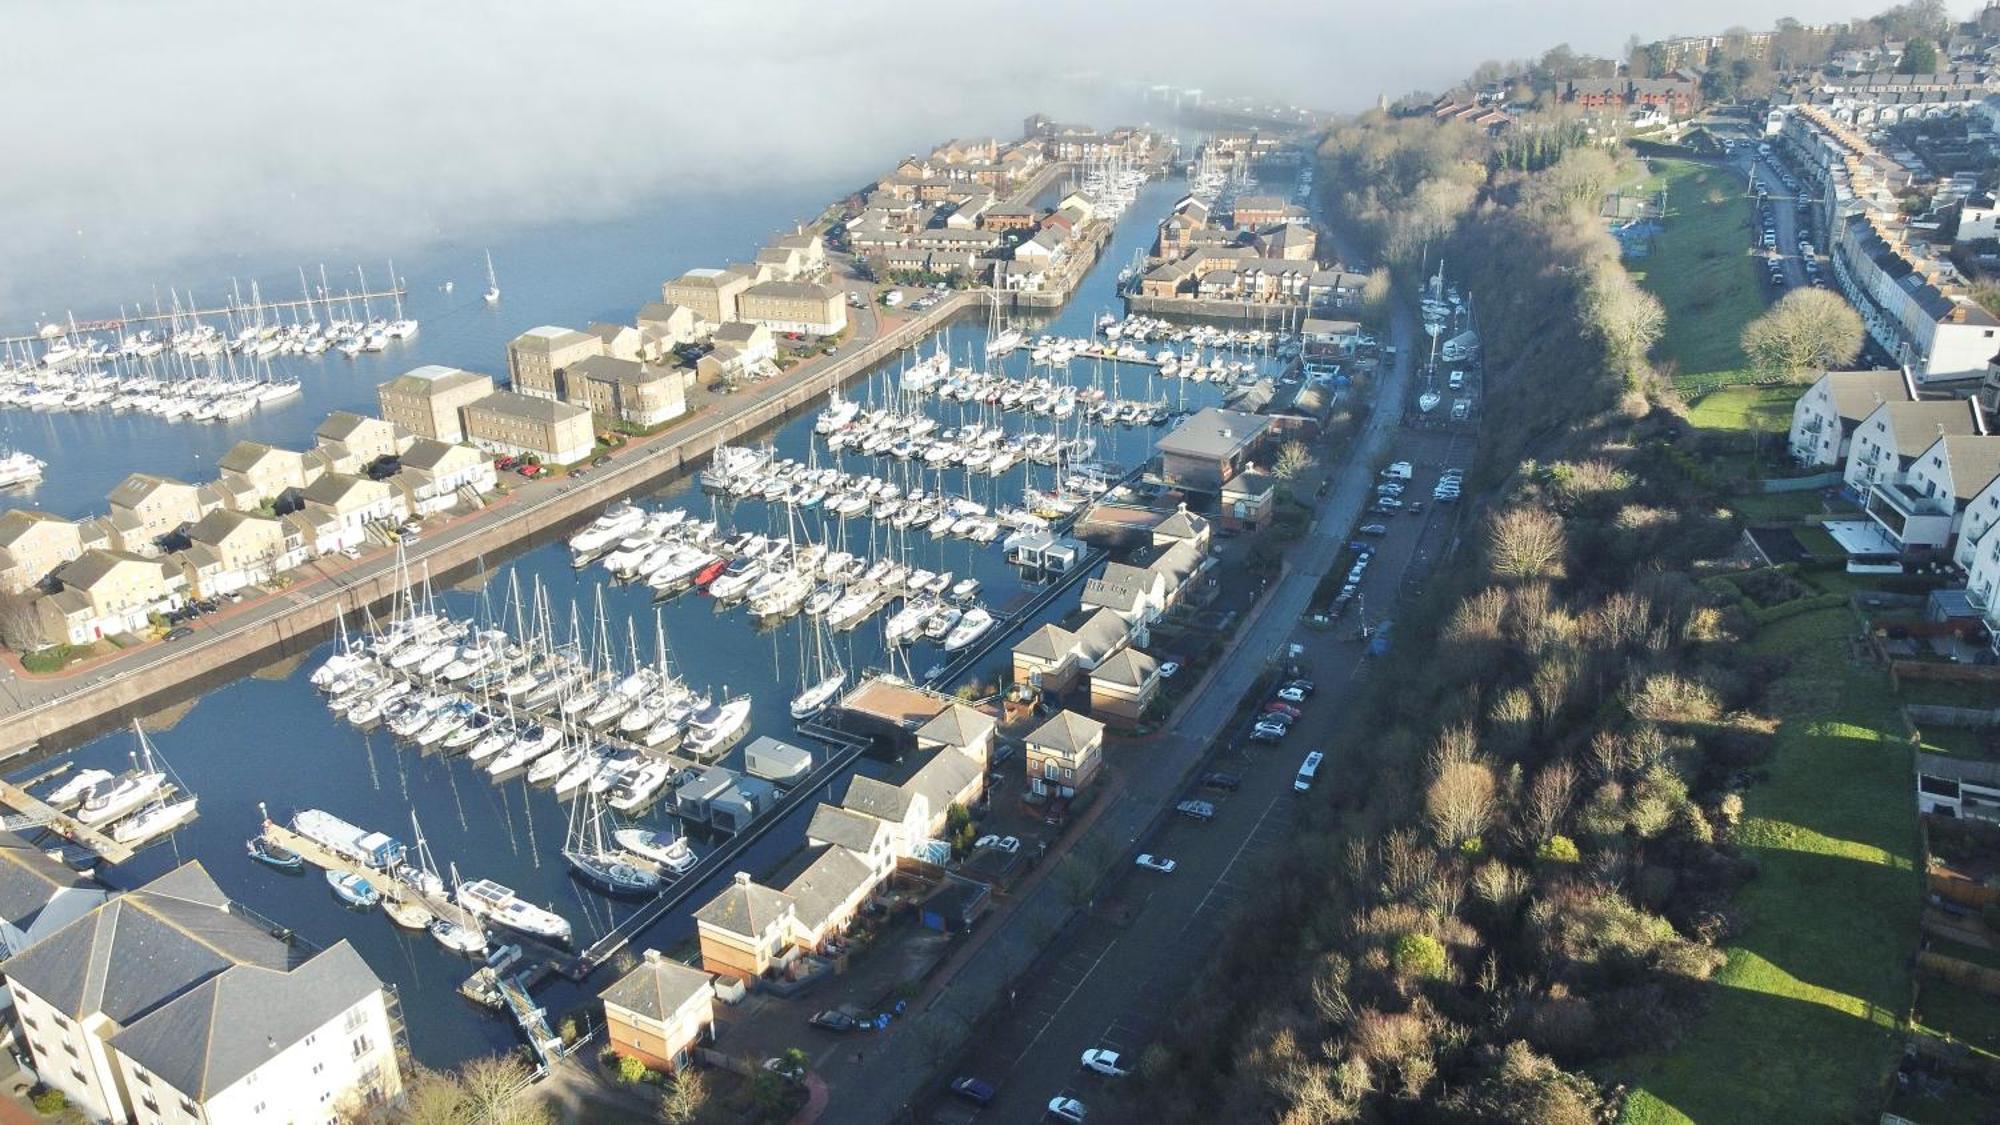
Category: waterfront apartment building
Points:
column 711, row 293
column 104, row 593
column 519, row 425
column 145, row 507
column 427, row 400
column 32, row 544
column 660, row 1012
column 434, row 473
column 537, row 358
column 267, row 472
column 626, row 390
column 353, row 503
column 1209, row 449
column 801, row 307
column 39, row 895
column 664, row 327
column 351, row 442
column 170, row 1004
column 229, row 550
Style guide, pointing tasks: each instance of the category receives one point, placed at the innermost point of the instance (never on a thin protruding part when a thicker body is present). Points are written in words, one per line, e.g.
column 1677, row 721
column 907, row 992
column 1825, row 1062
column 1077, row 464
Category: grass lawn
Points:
column 1959, row 1014
column 1804, row 1021
column 1702, row 270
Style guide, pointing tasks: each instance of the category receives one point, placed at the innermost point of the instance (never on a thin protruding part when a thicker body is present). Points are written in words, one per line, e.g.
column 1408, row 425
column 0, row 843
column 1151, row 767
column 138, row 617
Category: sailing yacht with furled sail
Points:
column 492, row 281
column 605, row 868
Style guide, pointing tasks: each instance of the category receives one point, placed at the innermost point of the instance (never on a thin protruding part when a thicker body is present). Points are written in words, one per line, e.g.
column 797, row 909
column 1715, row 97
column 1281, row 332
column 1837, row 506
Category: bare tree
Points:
column 18, row 629
column 434, row 1097
column 1294, row 460
column 496, row 1092
column 1460, row 801
column 1527, row 543
column 1807, row 331
column 1547, row 800
column 684, row 1098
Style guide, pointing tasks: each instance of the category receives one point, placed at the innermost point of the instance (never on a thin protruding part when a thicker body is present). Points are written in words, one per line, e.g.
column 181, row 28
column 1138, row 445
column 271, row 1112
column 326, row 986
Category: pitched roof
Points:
column 136, row 488
column 19, row 522
column 657, row 987
column 546, row 411
column 1067, row 733
column 220, row 524
column 1120, row 596
column 89, row 568
column 342, row 425
column 1129, row 668
column 1974, row 460
column 29, row 879
column 853, row 830
column 1856, row 394
column 944, row 777
column 332, row 488
column 826, row 883
column 208, row 1038
column 957, row 725
column 1178, row 563
column 143, row 948
column 1050, row 642
column 745, row 907
column 429, row 453
column 1101, row 635
column 610, row 369
column 244, row 456
column 1183, row 524
column 878, row 799
column 1915, row 425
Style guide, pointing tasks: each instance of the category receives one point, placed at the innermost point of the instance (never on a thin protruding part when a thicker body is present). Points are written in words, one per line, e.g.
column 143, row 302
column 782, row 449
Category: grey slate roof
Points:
column 745, row 908
column 1050, row 642
column 207, row 1039
column 878, row 799
column 134, row 489
column 832, row 824
column 1915, row 425
column 957, row 725
column 1856, row 394
column 944, row 777
column 657, row 987
column 1067, row 733
column 1974, row 460
column 143, row 948
column 1130, row 668
column 826, row 883
column 546, row 411
column 29, row 879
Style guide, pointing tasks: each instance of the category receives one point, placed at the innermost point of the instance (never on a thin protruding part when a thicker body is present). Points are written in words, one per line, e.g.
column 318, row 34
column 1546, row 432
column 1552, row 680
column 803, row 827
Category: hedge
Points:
column 1766, row 615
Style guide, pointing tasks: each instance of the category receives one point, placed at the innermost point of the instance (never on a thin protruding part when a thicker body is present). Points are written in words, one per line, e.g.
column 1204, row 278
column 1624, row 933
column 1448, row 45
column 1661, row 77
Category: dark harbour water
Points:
column 269, row 739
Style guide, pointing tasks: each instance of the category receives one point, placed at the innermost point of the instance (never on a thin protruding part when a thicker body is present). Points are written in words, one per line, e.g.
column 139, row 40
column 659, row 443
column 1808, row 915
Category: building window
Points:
column 144, row 1078
column 188, row 1107
column 78, row 1075
column 71, row 1048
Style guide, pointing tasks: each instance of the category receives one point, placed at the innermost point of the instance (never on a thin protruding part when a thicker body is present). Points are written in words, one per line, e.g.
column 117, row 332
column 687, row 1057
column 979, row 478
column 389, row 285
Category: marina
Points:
column 509, row 830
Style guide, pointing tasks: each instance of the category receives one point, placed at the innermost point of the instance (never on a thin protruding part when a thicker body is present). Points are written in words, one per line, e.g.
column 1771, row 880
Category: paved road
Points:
column 1784, row 210
column 896, row 1069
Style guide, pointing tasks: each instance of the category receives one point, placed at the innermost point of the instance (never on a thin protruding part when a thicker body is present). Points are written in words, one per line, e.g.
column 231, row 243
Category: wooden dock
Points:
column 44, row 815
column 392, row 889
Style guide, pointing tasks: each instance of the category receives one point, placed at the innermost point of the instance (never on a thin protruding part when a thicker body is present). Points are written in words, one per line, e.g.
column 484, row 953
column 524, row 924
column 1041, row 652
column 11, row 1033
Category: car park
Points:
column 1158, row 863
column 1218, row 779
column 978, row 1091
column 1067, row 1109
column 834, row 1020
column 1104, row 1061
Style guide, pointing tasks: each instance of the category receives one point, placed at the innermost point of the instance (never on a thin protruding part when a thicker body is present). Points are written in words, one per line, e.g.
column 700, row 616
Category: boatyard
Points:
column 573, row 729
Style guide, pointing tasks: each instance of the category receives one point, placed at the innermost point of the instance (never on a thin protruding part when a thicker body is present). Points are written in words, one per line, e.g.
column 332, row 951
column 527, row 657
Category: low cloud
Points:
column 143, row 137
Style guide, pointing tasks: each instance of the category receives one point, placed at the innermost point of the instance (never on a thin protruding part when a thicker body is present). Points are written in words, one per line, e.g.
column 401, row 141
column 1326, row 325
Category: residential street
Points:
column 1104, row 979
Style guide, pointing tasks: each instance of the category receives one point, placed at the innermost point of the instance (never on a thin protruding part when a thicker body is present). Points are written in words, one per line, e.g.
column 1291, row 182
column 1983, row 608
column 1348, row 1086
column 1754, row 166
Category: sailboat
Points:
column 828, row 677
column 603, row 867
column 162, row 816
column 455, row 936
column 492, row 282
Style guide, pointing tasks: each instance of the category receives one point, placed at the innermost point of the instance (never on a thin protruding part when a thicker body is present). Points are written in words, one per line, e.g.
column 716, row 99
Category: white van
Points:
column 1307, row 771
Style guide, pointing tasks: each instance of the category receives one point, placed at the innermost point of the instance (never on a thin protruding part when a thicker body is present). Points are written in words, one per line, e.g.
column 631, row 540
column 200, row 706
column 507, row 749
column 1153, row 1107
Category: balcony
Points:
column 1911, row 520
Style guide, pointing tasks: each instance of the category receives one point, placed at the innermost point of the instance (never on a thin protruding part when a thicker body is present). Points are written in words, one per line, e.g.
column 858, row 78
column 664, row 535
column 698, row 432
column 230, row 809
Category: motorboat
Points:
column 155, row 820
column 77, row 788
column 637, row 789
column 668, row 850
column 969, row 629
column 499, row 904
column 118, row 798
column 716, row 729
column 273, row 855
column 353, row 889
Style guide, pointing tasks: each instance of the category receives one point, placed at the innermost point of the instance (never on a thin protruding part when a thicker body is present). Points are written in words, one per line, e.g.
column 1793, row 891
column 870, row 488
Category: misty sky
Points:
column 143, row 137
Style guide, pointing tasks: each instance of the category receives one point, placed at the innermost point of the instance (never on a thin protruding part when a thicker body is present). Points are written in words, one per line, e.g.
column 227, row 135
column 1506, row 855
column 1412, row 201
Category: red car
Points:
column 504, row 463
column 531, row 471
column 1279, row 707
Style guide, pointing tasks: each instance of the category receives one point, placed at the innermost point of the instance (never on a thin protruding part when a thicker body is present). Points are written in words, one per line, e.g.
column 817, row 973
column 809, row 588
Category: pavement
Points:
column 1071, row 979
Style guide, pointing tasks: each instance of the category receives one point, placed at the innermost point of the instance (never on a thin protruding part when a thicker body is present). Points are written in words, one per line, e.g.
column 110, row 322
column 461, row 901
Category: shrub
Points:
column 49, row 1101
column 630, row 1070
column 1420, row 957
column 1558, row 849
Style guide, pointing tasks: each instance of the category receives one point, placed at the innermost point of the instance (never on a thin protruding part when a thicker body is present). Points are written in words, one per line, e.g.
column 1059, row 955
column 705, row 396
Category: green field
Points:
column 1804, row 1022
column 1806, row 1017
column 1702, row 270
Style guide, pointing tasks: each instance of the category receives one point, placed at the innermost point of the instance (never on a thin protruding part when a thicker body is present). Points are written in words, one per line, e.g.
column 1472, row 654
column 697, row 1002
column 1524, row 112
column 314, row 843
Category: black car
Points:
column 601, row 460
column 834, row 1020
column 1217, row 779
column 1306, row 686
column 974, row 1090
column 179, row 633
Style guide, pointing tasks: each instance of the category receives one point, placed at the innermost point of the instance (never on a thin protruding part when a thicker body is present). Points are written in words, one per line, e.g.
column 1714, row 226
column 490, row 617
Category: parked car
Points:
column 1103, row 1061
column 786, row 1069
column 601, row 460
column 179, row 633
column 1400, row 470
column 1196, row 810
column 1169, row 668
column 1158, row 863
column 1289, row 694
column 1265, row 733
column 1008, row 844
column 1282, row 707
column 1376, row 529
column 1217, row 779
column 975, row 1090
column 834, row 1020
column 1067, row 1109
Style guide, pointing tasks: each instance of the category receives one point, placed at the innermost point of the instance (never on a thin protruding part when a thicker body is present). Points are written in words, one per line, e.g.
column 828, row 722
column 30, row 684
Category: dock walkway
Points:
column 45, row 815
